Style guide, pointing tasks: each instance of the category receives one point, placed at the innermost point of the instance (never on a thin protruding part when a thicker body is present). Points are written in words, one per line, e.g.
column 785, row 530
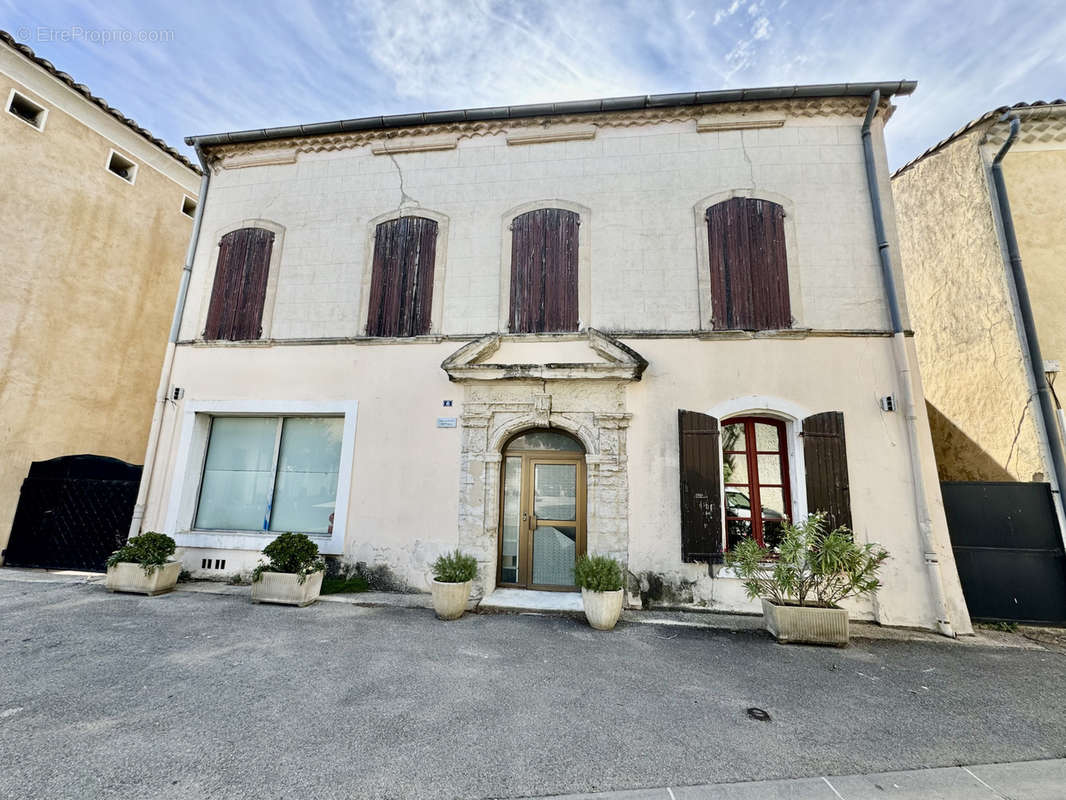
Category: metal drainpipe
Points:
column 1025, row 310
column 903, row 368
column 168, row 358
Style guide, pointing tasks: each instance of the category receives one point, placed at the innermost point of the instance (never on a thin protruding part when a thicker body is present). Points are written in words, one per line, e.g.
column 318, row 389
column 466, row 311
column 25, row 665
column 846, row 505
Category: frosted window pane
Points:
column 555, row 491
column 307, row 475
column 235, row 493
column 554, row 549
column 512, row 516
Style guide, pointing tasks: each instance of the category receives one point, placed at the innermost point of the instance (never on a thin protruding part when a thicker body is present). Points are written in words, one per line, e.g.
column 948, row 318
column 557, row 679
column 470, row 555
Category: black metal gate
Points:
column 1008, row 550
column 73, row 512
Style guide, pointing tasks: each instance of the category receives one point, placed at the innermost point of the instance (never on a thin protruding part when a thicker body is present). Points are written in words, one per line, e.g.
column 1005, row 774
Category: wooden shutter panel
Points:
column 544, row 285
column 239, row 292
column 748, row 264
column 401, row 284
column 826, row 462
column 701, row 500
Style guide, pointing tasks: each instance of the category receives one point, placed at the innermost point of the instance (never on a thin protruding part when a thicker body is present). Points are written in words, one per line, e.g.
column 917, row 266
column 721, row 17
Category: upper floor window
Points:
column 544, row 279
column 401, row 287
column 749, row 269
column 239, row 292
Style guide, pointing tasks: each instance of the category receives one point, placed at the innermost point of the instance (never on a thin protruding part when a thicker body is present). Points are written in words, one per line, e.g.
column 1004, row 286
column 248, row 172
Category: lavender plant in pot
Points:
column 802, row 580
column 453, row 575
column 600, row 579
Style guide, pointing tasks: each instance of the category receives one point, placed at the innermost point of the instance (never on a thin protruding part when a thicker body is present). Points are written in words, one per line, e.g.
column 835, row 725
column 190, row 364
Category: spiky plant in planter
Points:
column 144, row 565
column 801, row 581
column 293, row 574
column 600, row 580
column 453, row 573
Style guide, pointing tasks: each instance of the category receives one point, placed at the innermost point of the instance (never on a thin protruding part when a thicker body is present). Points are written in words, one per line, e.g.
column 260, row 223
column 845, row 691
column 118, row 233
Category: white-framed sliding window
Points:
column 247, row 472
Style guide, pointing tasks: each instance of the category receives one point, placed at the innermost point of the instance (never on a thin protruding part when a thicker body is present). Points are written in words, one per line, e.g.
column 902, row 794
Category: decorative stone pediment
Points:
column 607, row 358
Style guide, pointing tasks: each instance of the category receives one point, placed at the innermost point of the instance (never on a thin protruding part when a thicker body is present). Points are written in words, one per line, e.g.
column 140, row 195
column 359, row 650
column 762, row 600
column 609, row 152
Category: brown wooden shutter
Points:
column 544, row 289
column 401, row 285
column 749, row 268
column 239, row 292
column 826, row 463
column 701, row 498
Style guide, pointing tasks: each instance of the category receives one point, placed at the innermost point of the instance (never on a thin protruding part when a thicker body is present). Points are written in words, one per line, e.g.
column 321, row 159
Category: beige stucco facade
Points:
column 91, row 266
column 410, row 486
column 984, row 414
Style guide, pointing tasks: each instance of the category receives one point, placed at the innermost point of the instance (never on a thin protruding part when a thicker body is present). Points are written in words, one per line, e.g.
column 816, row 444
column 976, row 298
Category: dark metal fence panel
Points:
column 1008, row 550
column 73, row 512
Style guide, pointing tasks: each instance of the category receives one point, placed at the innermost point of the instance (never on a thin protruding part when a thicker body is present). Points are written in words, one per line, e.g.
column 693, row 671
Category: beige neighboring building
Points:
column 984, row 410
column 96, row 215
column 645, row 327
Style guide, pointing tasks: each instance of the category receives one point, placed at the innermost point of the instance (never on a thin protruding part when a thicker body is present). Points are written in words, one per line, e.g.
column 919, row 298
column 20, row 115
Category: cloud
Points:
column 229, row 67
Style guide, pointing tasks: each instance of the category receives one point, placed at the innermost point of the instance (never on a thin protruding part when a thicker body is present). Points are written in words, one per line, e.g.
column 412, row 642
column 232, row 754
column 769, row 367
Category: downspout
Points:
column 1035, row 366
column 168, row 358
column 903, row 368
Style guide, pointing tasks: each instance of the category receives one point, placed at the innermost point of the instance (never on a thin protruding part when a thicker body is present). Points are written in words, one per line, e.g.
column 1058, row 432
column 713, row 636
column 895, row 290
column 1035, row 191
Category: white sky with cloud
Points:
column 230, row 66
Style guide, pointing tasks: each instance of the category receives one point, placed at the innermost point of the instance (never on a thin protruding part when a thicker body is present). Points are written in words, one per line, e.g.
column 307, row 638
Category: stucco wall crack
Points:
column 406, row 201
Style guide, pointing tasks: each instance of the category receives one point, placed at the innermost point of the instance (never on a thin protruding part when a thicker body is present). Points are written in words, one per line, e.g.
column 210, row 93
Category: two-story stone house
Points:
column 639, row 326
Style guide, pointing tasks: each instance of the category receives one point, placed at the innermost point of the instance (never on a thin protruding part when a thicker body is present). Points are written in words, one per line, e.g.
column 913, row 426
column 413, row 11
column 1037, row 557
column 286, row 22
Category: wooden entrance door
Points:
column 542, row 516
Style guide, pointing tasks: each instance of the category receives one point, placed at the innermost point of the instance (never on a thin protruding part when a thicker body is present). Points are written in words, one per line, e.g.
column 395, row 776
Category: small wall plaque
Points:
column 447, row 403
column 446, row 422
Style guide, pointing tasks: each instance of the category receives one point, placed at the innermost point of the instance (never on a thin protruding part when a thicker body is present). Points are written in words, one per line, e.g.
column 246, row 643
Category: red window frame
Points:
column 753, row 484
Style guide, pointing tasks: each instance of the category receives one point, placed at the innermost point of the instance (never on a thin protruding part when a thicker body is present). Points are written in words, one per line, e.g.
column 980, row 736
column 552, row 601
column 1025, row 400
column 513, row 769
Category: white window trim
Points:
column 584, row 259
column 703, row 255
column 42, row 106
column 188, row 469
column 136, row 166
column 273, row 274
column 195, row 205
column 440, row 260
column 792, row 414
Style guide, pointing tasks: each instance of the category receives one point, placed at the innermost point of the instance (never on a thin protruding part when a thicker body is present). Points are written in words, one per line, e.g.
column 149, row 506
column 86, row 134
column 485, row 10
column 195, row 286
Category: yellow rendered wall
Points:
column 1036, row 184
column 91, row 266
column 972, row 363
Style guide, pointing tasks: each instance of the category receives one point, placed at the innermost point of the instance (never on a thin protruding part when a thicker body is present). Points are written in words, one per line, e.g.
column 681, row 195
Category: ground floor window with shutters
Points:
column 755, row 472
column 745, row 474
column 270, row 474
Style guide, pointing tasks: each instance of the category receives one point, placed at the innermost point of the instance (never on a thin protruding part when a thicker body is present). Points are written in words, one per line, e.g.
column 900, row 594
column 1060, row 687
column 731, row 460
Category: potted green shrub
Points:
column 600, row 579
column 453, row 573
column 143, row 565
column 293, row 576
column 801, row 581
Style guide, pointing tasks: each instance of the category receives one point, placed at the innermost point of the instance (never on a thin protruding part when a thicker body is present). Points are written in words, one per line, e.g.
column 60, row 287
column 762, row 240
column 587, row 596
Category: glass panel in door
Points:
column 512, row 519
column 554, row 545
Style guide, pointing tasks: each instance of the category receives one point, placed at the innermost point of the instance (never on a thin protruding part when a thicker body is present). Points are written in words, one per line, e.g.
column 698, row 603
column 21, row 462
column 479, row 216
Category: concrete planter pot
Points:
column 127, row 576
column 602, row 609
column 806, row 624
column 449, row 599
column 285, row 588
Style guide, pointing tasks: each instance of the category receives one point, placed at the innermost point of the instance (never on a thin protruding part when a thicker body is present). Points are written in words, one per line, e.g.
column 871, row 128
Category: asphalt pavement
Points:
column 199, row 695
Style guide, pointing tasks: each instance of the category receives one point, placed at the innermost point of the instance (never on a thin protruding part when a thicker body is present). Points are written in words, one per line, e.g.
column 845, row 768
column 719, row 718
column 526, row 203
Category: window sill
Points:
column 245, row 540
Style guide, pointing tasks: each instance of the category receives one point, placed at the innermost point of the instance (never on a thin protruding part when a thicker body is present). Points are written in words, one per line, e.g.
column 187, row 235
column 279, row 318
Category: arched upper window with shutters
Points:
column 748, row 265
column 544, row 271
column 240, row 288
column 401, row 284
